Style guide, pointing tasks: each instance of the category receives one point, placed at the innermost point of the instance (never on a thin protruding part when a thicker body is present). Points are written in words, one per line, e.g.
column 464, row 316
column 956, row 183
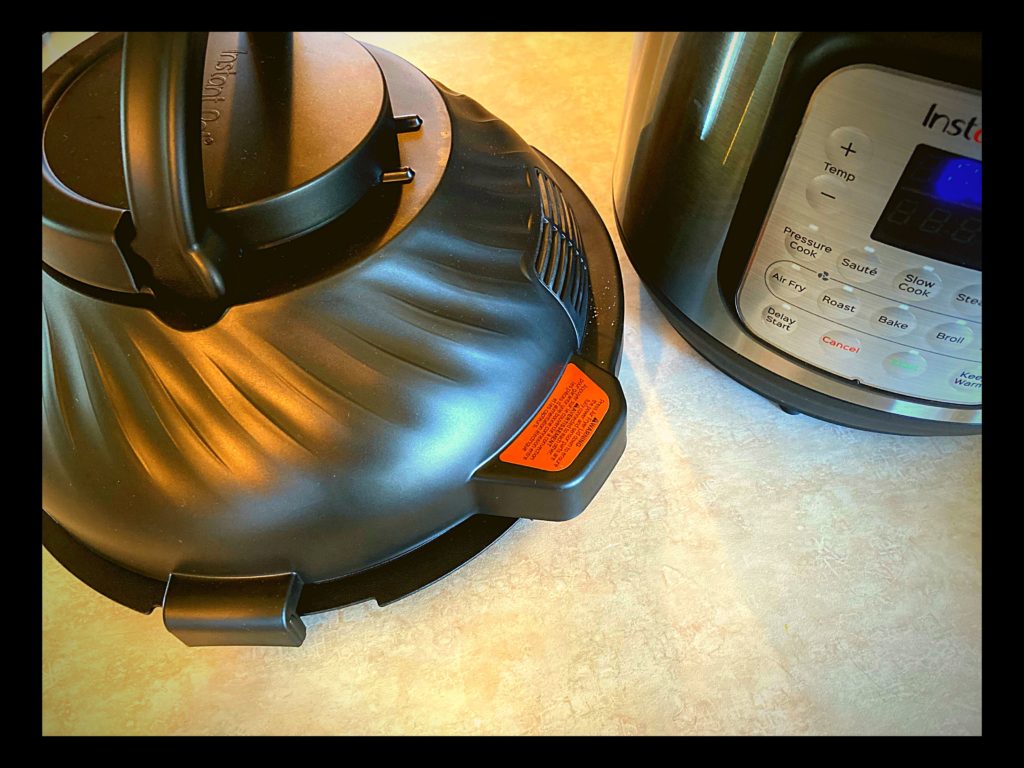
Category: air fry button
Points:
column 918, row 284
column 841, row 343
column 780, row 317
column 788, row 278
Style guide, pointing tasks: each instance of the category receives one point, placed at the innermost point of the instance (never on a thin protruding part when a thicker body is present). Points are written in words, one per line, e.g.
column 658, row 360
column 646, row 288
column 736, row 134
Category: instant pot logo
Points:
column 213, row 90
column 952, row 126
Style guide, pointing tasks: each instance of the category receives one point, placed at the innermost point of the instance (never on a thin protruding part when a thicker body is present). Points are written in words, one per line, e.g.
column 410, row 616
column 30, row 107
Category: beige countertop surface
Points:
column 742, row 571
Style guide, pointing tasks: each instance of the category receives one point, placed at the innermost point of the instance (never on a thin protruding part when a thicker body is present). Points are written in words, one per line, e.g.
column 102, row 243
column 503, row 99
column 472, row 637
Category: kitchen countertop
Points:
column 742, row 571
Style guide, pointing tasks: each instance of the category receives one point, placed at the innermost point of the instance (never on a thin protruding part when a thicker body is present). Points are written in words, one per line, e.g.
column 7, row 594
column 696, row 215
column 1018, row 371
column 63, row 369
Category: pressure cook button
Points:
column 951, row 335
column 826, row 193
column 966, row 379
column 859, row 266
column 841, row 343
column 848, row 147
column 894, row 321
column 967, row 301
column 905, row 365
column 790, row 279
column 918, row 284
column 780, row 317
column 840, row 302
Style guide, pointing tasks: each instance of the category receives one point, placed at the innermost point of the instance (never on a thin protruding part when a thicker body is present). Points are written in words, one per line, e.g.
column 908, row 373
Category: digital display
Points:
column 935, row 210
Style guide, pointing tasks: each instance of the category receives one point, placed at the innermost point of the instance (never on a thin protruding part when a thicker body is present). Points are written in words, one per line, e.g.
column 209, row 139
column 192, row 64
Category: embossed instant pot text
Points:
column 213, row 90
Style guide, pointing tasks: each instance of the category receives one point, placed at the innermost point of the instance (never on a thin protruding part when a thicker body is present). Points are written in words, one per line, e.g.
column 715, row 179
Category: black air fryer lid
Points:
column 316, row 330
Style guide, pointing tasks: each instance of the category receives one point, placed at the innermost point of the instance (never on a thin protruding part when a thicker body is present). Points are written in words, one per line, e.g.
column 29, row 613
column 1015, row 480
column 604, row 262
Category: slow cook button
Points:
column 841, row 303
column 789, row 279
column 967, row 301
column 779, row 317
column 894, row 321
column 840, row 343
column 905, row 365
column 966, row 379
column 859, row 266
column 949, row 336
column 918, row 284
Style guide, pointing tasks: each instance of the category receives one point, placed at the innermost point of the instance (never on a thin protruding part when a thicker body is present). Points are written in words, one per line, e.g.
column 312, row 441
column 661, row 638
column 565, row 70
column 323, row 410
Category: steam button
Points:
column 967, row 300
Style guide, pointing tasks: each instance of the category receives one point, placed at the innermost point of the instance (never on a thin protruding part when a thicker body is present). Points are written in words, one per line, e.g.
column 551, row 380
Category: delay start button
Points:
column 841, row 343
column 918, row 284
column 780, row 317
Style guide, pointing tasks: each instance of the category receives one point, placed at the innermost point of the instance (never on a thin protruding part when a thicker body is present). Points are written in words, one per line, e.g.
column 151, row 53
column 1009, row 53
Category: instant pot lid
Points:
column 351, row 436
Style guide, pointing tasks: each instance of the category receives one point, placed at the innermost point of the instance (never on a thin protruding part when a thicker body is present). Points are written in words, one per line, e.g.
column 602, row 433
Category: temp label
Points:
column 563, row 426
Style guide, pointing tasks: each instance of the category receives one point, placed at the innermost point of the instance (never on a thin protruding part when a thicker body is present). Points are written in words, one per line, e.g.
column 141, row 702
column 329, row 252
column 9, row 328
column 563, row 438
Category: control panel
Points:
column 868, row 264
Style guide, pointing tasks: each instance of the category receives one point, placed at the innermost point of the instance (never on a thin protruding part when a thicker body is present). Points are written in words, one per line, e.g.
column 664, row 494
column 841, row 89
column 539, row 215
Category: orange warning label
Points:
column 563, row 426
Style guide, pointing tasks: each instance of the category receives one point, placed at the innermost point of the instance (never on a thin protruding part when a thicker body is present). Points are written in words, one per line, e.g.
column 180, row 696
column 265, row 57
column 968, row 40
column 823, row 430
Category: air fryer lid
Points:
column 305, row 353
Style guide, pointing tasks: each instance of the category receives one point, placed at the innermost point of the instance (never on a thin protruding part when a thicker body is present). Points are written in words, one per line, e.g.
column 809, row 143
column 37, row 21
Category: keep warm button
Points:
column 841, row 343
column 918, row 285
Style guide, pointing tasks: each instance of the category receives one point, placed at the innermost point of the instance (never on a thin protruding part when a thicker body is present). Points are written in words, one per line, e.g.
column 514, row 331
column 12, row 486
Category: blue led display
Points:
column 959, row 181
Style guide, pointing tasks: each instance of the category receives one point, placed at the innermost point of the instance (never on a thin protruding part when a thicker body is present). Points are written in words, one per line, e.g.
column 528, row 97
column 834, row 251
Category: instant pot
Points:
column 805, row 208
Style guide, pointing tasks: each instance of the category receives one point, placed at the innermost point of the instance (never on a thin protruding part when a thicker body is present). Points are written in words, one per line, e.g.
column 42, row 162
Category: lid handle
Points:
column 161, row 84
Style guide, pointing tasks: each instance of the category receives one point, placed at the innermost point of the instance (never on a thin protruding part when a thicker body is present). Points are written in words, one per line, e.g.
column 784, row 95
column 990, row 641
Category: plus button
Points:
column 848, row 149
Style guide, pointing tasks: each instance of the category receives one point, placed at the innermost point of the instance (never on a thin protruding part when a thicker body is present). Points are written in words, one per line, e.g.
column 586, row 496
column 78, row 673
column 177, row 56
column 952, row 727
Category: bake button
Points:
column 905, row 365
column 780, row 317
column 841, row 343
column 918, row 284
column 966, row 379
column 826, row 193
column 860, row 266
column 950, row 336
column 840, row 302
column 848, row 147
column 790, row 279
column 967, row 301
column 894, row 321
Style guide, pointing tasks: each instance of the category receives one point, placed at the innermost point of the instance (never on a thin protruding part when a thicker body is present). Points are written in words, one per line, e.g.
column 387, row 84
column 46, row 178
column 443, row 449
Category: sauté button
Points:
column 848, row 147
column 894, row 321
column 780, row 317
column 966, row 379
column 789, row 278
column 859, row 266
column 967, row 300
column 840, row 343
column 905, row 365
column 918, row 284
column 951, row 336
column 826, row 193
column 840, row 302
